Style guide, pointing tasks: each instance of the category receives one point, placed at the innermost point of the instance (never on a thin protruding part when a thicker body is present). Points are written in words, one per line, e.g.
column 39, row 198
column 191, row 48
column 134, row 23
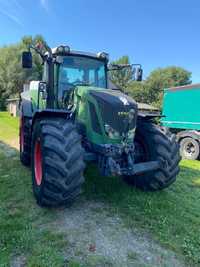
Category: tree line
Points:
column 150, row 90
column 12, row 76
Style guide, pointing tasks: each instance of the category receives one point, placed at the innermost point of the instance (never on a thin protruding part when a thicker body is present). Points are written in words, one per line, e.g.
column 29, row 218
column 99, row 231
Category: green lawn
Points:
column 9, row 128
column 172, row 216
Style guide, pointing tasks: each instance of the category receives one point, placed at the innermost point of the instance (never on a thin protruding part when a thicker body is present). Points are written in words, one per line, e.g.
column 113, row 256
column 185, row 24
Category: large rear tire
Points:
column 57, row 162
column 155, row 143
column 25, row 141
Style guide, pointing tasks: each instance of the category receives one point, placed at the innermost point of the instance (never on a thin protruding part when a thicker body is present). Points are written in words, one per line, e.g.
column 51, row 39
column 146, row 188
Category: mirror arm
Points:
column 42, row 55
column 37, row 51
column 118, row 66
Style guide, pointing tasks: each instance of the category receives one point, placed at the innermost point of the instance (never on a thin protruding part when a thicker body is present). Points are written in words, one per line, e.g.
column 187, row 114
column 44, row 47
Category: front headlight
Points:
column 111, row 132
column 131, row 115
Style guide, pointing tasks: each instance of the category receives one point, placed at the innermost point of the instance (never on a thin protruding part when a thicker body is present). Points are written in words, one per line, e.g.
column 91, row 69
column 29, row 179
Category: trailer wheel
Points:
column 57, row 162
column 25, row 141
column 189, row 148
column 155, row 143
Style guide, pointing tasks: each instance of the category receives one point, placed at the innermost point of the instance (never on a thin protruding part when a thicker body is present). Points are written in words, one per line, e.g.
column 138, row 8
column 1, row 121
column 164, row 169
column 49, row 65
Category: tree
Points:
column 164, row 78
column 151, row 90
column 122, row 77
column 139, row 91
column 12, row 76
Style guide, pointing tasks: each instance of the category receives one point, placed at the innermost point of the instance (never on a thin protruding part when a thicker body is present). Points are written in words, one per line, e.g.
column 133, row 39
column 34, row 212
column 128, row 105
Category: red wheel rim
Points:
column 21, row 140
column 38, row 162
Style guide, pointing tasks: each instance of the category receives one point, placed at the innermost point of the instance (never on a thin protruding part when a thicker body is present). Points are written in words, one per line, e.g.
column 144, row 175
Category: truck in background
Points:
column 181, row 113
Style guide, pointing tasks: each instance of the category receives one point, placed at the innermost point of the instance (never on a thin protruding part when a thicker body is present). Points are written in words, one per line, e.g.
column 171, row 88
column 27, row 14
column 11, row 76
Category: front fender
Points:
column 52, row 113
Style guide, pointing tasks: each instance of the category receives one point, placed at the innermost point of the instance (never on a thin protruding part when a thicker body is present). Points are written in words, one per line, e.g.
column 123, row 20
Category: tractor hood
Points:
column 114, row 97
column 115, row 109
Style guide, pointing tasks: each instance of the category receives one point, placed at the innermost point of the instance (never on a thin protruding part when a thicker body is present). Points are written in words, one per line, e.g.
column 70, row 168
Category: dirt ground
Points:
column 95, row 236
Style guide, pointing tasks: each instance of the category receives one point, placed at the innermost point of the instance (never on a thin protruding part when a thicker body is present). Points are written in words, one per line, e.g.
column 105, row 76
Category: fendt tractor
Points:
column 75, row 115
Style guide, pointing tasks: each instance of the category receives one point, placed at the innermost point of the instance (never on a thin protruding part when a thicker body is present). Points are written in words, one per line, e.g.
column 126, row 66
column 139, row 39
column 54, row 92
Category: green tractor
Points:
column 75, row 115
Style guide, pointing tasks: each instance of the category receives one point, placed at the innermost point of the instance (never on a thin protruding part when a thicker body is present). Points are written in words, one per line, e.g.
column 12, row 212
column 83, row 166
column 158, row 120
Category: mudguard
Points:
column 193, row 134
column 60, row 113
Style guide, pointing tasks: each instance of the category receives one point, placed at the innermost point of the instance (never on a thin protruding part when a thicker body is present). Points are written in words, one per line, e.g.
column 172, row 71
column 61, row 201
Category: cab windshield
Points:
column 84, row 71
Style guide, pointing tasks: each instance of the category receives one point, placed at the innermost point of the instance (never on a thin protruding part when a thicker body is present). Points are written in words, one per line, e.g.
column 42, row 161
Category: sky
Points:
column 155, row 33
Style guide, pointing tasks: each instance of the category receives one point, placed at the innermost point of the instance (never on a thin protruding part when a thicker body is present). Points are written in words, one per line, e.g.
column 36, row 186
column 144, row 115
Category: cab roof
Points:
column 99, row 55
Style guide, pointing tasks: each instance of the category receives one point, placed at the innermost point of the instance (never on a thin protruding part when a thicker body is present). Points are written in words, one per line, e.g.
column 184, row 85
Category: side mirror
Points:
column 26, row 60
column 139, row 74
column 43, row 90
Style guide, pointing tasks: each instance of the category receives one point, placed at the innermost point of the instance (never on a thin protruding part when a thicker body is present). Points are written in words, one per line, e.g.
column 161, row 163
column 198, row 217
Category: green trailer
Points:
column 181, row 113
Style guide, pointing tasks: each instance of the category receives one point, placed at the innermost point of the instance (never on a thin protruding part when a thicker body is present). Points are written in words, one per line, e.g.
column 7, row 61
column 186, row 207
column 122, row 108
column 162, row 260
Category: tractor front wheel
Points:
column 155, row 143
column 57, row 162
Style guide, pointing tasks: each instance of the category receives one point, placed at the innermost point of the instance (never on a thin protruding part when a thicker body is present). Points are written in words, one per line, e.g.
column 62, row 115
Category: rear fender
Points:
column 148, row 117
column 193, row 134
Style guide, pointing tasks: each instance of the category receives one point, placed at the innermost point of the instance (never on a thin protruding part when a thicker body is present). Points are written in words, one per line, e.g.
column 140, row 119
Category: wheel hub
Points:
column 190, row 149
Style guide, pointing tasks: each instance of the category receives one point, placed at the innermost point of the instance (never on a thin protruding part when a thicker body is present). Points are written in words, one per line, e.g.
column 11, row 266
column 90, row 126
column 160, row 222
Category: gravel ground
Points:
column 98, row 238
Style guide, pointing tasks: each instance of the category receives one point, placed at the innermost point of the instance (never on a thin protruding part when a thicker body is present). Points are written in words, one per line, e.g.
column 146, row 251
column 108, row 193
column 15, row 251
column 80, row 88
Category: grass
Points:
column 20, row 232
column 171, row 216
column 20, row 220
column 9, row 128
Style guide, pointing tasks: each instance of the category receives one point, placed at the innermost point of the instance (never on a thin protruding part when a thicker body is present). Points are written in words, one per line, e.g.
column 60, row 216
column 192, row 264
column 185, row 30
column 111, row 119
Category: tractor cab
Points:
column 64, row 69
column 78, row 70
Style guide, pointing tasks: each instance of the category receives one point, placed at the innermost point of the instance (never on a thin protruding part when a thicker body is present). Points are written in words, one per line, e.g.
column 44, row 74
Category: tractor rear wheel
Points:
column 25, row 141
column 57, row 162
column 154, row 143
